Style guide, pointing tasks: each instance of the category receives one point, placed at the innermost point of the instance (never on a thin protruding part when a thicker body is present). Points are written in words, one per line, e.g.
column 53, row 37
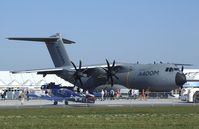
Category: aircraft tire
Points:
column 196, row 97
column 55, row 103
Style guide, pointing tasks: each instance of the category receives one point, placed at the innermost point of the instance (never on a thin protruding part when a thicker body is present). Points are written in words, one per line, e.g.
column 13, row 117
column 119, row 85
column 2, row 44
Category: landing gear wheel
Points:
column 196, row 97
column 55, row 103
column 66, row 102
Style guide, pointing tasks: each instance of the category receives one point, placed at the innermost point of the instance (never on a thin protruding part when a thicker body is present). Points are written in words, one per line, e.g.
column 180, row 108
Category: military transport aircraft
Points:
column 155, row 77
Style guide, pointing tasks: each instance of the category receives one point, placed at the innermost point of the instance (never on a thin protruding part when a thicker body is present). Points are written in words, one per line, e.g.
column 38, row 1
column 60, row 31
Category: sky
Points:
column 122, row 30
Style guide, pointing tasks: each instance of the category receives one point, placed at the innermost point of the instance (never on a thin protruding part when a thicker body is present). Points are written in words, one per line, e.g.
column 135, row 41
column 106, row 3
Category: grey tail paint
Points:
column 55, row 45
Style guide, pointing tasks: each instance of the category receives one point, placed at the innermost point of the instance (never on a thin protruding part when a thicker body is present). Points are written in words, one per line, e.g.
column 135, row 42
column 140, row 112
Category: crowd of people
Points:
column 14, row 94
column 104, row 95
column 116, row 94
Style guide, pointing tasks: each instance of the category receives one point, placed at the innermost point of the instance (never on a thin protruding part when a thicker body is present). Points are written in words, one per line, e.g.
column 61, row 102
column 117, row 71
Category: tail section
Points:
column 55, row 45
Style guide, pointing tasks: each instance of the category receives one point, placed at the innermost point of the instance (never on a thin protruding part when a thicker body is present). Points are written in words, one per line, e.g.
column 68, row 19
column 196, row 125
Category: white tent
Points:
column 8, row 79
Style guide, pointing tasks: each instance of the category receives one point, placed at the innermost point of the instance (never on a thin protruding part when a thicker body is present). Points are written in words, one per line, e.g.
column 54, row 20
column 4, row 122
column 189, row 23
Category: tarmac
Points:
column 98, row 103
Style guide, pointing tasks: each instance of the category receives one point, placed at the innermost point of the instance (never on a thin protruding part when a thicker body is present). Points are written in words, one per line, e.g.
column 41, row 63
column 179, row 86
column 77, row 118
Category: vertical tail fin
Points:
column 58, row 52
column 55, row 45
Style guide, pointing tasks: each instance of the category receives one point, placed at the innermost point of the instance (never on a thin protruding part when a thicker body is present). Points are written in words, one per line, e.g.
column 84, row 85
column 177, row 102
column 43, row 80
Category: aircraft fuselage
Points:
column 155, row 77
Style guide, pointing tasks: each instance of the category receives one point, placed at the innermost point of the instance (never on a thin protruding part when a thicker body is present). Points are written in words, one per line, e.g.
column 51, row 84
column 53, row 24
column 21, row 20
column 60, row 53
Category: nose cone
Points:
column 180, row 79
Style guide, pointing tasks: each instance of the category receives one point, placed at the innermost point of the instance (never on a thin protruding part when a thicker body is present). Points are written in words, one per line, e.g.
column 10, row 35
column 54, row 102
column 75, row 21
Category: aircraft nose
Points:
column 180, row 79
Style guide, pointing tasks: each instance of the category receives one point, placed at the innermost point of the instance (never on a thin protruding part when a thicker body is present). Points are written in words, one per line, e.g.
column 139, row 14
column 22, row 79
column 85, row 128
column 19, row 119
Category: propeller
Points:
column 110, row 72
column 78, row 73
column 182, row 69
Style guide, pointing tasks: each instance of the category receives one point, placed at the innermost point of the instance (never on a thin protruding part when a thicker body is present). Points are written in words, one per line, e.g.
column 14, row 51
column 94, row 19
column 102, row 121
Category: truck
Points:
column 190, row 94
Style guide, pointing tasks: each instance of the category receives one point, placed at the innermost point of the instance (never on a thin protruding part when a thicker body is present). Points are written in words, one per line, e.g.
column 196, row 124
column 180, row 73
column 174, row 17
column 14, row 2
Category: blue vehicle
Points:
column 57, row 94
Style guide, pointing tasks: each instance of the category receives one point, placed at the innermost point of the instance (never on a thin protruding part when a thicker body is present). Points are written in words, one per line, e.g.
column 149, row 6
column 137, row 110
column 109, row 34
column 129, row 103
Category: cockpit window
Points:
column 170, row 69
column 176, row 69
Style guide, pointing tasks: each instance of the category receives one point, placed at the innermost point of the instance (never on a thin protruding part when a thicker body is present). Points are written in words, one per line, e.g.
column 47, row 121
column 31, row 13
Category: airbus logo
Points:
column 148, row 73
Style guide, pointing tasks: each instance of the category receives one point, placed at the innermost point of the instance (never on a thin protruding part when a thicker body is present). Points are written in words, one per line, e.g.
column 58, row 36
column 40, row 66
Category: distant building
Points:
column 9, row 80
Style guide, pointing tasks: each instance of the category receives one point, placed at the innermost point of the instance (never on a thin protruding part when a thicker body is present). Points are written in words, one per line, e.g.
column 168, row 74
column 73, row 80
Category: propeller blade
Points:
column 76, row 79
column 84, row 70
column 108, row 64
column 74, row 65
column 78, row 73
column 113, row 64
column 111, row 80
column 116, row 77
column 80, row 80
column 105, row 70
column 108, row 77
column 110, row 72
column 80, row 64
column 182, row 68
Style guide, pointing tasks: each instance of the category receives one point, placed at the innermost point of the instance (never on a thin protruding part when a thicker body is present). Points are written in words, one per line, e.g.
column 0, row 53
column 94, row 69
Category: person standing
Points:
column 142, row 95
column 102, row 95
column 22, row 97
column 133, row 93
column 130, row 94
column 87, row 92
column 27, row 95
column 112, row 93
column 105, row 94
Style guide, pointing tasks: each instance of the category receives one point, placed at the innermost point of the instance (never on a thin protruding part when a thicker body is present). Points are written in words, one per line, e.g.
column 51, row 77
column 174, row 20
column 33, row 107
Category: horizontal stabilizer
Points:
column 55, row 45
column 47, row 40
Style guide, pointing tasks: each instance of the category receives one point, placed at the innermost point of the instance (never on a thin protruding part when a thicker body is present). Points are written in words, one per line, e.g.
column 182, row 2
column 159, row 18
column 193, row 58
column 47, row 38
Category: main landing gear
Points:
column 56, row 102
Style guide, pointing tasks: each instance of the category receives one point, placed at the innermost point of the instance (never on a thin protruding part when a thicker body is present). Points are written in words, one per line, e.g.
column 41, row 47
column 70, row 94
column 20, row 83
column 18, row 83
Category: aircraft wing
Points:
column 98, row 70
column 94, row 70
column 41, row 71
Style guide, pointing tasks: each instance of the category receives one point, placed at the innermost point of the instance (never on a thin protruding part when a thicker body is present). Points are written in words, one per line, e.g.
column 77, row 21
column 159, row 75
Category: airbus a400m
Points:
column 155, row 77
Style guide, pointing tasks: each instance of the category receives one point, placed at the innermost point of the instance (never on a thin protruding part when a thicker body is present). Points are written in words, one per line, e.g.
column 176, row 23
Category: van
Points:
column 125, row 93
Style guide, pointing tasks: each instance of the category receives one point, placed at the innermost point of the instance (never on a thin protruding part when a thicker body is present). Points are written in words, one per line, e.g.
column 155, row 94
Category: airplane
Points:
column 57, row 93
column 154, row 77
